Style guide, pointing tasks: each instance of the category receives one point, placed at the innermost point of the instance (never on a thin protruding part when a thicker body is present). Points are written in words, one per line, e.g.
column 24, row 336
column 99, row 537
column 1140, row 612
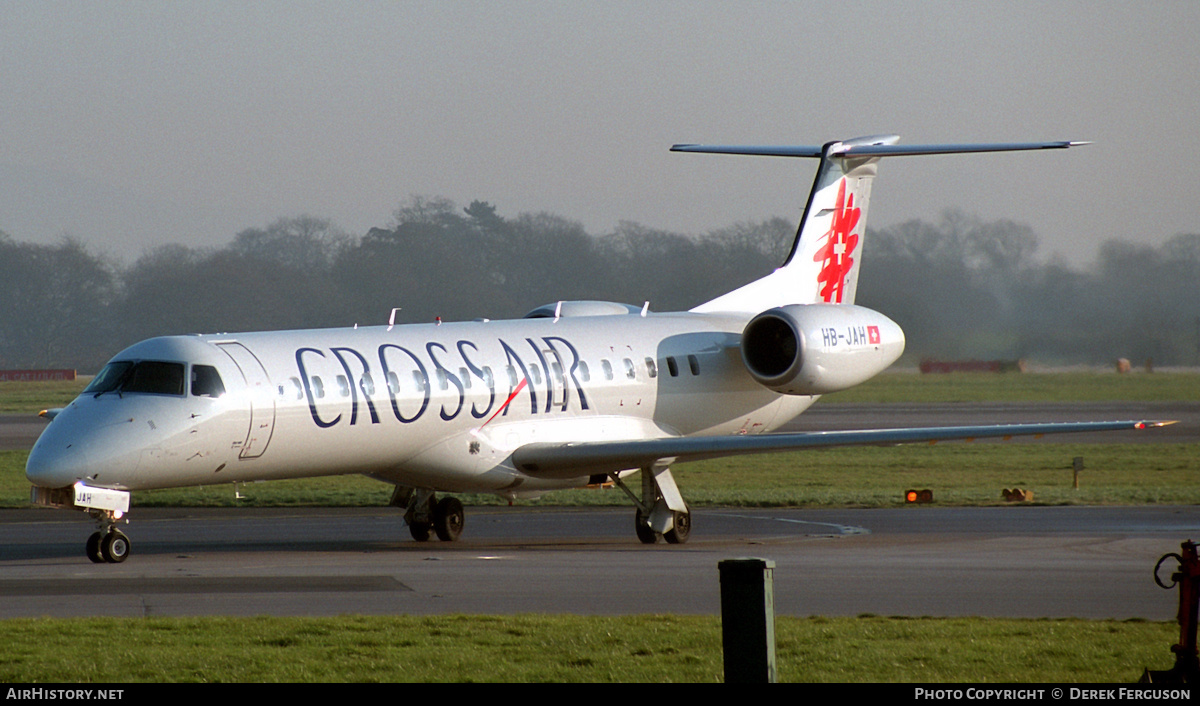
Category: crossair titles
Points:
column 448, row 367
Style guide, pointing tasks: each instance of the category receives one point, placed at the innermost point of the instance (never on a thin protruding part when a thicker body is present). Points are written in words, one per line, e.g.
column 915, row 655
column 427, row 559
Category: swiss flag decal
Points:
column 873, row 334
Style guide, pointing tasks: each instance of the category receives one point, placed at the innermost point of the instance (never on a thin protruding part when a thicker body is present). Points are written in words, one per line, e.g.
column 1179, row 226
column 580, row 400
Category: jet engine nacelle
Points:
column 813, row 349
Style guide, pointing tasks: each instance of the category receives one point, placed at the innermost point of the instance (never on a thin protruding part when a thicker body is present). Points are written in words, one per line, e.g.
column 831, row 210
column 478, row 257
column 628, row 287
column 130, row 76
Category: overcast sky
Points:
column 134, row 124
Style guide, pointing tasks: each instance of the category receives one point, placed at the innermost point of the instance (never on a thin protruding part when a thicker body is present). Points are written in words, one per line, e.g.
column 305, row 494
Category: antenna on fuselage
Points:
column 392, row 318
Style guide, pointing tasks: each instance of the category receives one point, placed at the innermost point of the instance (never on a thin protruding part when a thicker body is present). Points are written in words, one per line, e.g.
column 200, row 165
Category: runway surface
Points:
column 1008, row 561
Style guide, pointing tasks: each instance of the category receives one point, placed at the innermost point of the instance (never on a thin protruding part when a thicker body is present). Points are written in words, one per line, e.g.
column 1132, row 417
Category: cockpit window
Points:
column 110, row 378
column 206, row 382
column 149, row 376
column 155, row 377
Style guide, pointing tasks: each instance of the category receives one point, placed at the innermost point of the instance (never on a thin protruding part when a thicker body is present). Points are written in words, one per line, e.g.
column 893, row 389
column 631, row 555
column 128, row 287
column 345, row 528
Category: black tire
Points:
column 114, row 547
column 93, row 548
column 448, row 519
column 420, row 531
column 682, row 528
column 641, row 525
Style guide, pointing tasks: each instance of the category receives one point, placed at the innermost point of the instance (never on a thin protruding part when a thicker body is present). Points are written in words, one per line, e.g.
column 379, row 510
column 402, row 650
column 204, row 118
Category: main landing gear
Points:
column 107, row 544
column 661, row 511
column 425, row 514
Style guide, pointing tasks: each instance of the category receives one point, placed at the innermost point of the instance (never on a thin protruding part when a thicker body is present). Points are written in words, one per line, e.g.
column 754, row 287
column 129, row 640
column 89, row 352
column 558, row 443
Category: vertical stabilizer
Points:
column 823, row 264
column 824, row 261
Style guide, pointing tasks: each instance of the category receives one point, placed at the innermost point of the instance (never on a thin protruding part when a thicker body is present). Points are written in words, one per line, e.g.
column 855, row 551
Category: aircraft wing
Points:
column 572, row 460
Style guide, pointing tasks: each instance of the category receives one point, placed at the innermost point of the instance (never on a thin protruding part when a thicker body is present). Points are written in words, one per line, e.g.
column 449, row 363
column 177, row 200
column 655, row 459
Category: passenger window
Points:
column 607, row 368
column 297, row 388
column 557, row 373
column 651, row 368
column 206, row 382
column 318, row 387
column 393, row 382
column 488, row 378
column 584, row 373
column 466, row 379
column 441, row 376
column 367, row 385
column 672, row 368
column 343, row 385
column 630, row 370
column 694, row 364
column 535, row 373
column 512, row 376
column 419, row 381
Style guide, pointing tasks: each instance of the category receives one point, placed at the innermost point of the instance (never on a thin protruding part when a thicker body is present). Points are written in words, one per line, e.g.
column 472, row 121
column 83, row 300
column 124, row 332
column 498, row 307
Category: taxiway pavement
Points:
column 1035, row 562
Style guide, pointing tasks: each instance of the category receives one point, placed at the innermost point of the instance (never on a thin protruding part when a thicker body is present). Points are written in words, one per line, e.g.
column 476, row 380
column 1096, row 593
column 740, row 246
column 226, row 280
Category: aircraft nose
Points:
column 52, row 465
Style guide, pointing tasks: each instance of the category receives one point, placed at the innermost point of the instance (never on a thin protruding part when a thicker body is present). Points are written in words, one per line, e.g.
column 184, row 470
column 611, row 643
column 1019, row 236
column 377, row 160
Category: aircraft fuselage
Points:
column 440, row 406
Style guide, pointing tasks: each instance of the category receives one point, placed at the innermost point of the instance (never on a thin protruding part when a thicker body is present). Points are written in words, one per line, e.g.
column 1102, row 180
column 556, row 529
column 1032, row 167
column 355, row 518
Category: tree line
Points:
column 960, row 287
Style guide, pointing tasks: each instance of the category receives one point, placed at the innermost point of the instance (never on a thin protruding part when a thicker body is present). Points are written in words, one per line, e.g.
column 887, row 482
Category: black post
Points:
column 748, row 620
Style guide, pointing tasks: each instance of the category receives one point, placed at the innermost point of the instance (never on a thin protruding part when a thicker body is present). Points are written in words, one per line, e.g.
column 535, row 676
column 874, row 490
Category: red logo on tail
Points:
column 840, row 242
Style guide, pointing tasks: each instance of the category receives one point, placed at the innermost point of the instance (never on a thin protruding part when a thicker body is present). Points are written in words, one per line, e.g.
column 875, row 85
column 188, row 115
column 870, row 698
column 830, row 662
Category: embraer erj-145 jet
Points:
column 575, row 394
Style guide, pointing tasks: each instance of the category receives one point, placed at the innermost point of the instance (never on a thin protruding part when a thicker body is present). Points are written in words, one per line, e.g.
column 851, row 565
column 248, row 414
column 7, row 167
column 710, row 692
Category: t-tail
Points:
column 826, row 255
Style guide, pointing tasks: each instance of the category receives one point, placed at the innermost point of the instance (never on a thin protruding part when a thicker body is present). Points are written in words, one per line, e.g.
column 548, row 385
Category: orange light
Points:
column 910, row 496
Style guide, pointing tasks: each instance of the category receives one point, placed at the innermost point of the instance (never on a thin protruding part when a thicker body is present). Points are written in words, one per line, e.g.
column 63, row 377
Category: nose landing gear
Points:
column 112, row 548
column 107, row 544
column 106, row 506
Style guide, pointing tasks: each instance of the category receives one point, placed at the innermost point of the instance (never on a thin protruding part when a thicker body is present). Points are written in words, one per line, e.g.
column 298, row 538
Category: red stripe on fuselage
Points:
column 511, row 397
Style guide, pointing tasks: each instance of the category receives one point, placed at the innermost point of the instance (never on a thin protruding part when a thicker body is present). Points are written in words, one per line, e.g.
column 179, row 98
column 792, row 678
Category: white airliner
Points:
column 574, row 394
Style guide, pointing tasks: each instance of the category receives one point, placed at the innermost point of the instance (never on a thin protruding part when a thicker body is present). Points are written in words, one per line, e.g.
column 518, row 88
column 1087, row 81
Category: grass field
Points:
column 567, row 648
column 641, row 648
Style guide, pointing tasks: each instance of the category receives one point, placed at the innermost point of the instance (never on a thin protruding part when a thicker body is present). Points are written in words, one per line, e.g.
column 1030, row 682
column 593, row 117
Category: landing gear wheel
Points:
column 448, row 518
column 641, row 525
column 114, row 547
column 420, row 531
column 682, row 528
column 93, row 548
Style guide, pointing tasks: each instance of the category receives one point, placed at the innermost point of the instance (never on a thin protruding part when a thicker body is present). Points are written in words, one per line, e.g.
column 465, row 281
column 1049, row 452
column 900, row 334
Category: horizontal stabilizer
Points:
column 568, row 460
column 869, row 147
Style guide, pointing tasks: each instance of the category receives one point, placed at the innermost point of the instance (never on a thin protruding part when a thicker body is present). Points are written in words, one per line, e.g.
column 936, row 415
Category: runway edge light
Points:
column 918, row 496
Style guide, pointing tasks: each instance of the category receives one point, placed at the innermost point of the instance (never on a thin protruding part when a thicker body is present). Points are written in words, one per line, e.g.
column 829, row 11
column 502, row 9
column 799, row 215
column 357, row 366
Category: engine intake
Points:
column 814, row 349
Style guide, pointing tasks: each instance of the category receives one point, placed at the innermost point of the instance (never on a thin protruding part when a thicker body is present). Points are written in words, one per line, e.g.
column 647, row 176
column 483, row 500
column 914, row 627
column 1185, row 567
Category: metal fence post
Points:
column 748, row 620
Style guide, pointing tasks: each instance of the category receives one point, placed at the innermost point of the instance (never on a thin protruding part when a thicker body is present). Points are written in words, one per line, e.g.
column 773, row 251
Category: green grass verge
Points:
column 536, row 648
column 21, row 397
